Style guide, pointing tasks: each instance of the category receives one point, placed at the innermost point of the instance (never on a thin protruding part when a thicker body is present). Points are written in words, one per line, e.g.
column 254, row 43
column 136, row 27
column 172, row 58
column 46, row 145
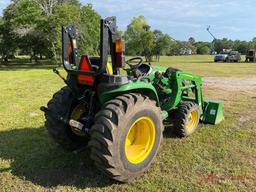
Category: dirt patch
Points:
column 245, row 119
column 231, row 83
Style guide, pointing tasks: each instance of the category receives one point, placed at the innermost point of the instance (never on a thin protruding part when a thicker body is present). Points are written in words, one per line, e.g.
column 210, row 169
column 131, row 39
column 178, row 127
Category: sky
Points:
column 233, row 19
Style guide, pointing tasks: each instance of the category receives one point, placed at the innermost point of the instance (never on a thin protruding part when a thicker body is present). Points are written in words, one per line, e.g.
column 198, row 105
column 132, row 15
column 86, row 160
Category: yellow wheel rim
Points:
column 192, row 121
column 75, row 115
column 140, row 140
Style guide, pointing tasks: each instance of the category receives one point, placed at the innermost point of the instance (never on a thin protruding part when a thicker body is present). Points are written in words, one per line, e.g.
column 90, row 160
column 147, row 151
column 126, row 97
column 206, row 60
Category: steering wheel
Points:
column 133, row 64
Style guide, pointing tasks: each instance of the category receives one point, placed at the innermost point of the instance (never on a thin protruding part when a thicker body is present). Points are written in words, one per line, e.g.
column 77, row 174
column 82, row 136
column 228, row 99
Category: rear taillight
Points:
column 71, row 50
column 85, row 66
column 119, row 53
column 119, row 46
column 70, row 53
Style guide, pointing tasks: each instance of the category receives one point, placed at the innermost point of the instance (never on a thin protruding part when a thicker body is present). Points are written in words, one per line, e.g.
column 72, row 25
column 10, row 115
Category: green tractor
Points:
column 120, row 118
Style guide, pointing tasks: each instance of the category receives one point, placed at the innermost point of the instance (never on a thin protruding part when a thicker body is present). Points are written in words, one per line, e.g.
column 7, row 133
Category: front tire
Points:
column 186, row 119
column 126, row 136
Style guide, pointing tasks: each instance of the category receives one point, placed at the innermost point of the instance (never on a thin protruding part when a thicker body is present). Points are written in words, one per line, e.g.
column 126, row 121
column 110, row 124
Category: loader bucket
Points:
column 213, row 113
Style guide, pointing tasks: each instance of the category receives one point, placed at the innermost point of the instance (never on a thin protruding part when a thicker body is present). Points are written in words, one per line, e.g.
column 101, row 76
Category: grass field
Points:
column 215, row 158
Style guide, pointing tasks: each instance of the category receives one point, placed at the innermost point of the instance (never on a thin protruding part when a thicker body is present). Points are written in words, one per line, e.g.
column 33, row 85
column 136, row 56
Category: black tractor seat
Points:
column 106, row 81
column 142, row 70
column 95, row 63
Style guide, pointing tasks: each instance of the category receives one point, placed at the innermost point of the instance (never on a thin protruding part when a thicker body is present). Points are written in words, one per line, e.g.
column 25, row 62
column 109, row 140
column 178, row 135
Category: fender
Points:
column 138, row 86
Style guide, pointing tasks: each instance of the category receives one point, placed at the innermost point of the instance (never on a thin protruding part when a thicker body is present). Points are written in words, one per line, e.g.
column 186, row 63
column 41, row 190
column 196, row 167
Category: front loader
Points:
column 120, row 117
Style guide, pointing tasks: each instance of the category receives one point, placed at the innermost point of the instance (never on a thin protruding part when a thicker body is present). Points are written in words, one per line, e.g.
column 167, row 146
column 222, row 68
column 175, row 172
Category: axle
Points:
column 73, row 123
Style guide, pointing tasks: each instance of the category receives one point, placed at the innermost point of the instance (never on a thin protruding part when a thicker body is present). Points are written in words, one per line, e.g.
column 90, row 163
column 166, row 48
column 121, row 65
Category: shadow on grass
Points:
column 26, row 67
column 36, row 158
column 24, row 64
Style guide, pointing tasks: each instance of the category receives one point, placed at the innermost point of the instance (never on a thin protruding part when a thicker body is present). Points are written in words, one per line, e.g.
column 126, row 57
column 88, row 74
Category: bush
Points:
column 203, row 50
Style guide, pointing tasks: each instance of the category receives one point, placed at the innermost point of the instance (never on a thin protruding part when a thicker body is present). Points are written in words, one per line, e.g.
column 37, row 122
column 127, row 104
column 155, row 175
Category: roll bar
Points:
column 108, row 36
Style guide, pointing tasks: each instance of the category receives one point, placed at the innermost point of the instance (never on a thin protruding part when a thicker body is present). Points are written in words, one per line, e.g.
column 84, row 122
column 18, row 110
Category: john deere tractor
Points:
column 120, row 116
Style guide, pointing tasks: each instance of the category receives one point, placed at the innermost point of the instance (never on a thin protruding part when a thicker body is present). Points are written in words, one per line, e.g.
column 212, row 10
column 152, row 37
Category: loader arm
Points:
column 177, row 79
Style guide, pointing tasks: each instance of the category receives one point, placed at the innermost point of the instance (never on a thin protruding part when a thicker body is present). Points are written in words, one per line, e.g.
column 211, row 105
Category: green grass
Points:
column 215, row 158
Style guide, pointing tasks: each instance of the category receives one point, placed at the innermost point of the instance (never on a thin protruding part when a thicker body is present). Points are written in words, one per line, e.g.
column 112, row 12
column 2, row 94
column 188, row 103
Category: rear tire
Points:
column 114, row 146
column 186, row 119
column 63, row 104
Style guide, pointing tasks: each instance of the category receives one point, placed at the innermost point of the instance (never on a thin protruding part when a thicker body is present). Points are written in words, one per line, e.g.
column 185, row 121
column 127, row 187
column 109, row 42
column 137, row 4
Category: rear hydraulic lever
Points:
column 55, row 70
column 78, row 96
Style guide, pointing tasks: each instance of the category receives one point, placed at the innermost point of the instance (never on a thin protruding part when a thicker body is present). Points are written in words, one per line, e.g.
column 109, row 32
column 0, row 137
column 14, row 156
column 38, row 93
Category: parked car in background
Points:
column 222, row 56
column 228, row 56
column 233, row 56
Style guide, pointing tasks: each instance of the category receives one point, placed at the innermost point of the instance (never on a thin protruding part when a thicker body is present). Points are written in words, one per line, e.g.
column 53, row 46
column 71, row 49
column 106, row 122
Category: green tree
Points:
column 252, row 43
column 190, row 44
column 25, row 20
column 48, row 6
column 203, row 48
column 84, row 17
column 241, row 46
column 89, row 29
column 175, row 47
column 139, row 38
column 9, row 38
column 224, row 43
column 1, row 38
column 161, row 43
column 191, row 40
column 64, row 14
column 8, row 43
column 34, row 27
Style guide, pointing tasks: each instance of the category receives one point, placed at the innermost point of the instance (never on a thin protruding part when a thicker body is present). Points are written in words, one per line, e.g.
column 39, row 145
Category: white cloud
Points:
column 171, row 23
column 185, row 17
column 160, row 8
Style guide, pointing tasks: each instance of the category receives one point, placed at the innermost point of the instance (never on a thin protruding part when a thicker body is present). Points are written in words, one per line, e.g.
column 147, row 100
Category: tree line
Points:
column 33, row 27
